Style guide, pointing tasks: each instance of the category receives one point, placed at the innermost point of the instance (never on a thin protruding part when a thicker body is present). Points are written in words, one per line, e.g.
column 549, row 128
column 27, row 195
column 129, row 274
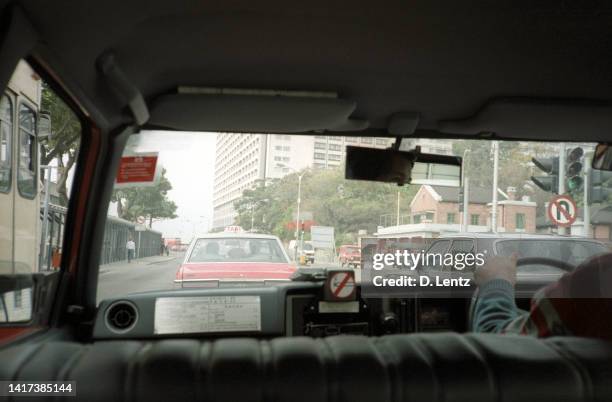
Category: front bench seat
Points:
column 419, row 367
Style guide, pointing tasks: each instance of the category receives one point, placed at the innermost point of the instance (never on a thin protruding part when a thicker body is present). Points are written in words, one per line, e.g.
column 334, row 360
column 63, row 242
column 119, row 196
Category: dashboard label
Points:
column 183, row 315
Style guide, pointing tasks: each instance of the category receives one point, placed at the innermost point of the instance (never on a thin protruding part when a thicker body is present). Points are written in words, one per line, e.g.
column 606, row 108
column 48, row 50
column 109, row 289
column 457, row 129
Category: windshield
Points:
column 174, row 190
column 237, row 250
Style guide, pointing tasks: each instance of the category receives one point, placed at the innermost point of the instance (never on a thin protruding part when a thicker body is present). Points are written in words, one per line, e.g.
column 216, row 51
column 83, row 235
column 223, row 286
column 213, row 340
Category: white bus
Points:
column 19, row 171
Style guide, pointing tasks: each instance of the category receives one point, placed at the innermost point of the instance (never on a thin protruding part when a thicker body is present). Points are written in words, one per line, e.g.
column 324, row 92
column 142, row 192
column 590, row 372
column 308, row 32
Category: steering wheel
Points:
column 551, row 262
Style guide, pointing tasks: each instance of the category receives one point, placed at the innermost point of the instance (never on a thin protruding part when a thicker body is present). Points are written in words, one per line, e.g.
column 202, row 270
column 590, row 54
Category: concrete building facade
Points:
column 243, row 159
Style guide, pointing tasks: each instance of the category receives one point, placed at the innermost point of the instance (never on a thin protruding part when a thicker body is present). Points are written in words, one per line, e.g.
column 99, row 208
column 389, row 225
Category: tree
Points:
column 65, row 139
column 151, row 202
column 347, row 205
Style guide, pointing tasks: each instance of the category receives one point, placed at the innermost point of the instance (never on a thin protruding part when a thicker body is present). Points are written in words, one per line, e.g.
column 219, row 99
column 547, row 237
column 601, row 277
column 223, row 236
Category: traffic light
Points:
column 550, row 166
column 573, row 170
column 599, row 188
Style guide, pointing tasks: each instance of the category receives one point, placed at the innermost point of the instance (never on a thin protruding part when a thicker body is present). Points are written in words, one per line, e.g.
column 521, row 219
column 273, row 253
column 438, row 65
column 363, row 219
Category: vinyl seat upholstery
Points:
column 419, row 367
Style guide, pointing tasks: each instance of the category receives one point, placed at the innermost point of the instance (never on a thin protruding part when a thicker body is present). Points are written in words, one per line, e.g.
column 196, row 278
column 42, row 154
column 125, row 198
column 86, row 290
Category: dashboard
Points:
column 291, row 309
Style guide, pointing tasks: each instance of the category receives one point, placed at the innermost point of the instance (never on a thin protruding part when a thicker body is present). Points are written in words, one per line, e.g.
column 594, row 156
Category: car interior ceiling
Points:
column 390, row 69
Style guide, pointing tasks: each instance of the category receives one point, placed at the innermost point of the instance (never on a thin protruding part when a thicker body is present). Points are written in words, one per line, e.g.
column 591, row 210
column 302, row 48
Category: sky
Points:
column 189, row 160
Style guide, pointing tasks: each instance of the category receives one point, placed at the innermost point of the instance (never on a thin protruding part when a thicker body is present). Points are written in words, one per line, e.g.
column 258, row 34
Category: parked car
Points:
column 349, row 255
column 305, row 249
column 233, row 258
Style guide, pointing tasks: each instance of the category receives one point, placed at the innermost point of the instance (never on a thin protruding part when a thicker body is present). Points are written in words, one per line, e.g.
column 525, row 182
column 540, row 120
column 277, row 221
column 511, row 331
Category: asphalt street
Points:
column 147, row 274
column 143, row 275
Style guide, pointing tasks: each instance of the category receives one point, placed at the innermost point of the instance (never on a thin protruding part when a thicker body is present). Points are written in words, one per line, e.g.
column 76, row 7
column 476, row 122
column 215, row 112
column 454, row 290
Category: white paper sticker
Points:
column 182, row 315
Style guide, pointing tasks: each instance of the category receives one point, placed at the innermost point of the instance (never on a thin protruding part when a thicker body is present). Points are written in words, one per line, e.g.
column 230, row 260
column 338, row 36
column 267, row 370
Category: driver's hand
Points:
column 498, row 267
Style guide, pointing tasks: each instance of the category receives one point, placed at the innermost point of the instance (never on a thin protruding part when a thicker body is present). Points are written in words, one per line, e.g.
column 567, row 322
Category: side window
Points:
column 37, row 166
column 435, row 254
column 462, row 246
column 27, row 152
column 6, row 128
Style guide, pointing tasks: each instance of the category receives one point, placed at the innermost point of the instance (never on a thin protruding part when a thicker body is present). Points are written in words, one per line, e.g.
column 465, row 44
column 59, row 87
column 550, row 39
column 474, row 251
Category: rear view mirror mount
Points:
column 402, row 167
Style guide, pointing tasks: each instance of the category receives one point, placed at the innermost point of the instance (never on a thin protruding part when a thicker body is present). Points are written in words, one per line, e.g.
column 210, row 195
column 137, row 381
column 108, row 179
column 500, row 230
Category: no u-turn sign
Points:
column 562, row 210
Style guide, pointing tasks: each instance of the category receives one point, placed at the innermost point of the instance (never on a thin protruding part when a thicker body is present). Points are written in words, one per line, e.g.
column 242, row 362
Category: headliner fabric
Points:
column 440, row 59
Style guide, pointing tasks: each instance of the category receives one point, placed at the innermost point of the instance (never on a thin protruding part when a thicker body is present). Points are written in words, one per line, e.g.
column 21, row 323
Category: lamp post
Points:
column 299, row 201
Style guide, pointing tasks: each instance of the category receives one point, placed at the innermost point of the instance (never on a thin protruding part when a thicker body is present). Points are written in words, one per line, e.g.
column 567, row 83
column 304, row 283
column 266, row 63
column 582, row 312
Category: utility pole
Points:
column 45, row 228
column 495, row 174
column 397, row 220
column 562, row 230
column 297, row 218
column 466, row 192
column 586, row 210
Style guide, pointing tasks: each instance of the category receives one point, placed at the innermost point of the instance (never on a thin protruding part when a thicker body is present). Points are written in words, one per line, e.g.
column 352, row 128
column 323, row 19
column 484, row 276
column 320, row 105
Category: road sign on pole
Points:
column 562, row 210
column 322, row 236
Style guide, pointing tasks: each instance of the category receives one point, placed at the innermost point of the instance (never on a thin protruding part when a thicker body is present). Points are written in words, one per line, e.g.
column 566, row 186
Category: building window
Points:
column 333, row 157
column 27, row 152
column 320, row 137
column 366, row 140
column 381, row 141
column 350, row 139
column 319, row 155
column 520, row 221
column 319, row 145
column 6, row 130
column 450, row 217
column 474, row 219
column 335, row 138
column 335, row 147
column 429, row 216
column 416, row 219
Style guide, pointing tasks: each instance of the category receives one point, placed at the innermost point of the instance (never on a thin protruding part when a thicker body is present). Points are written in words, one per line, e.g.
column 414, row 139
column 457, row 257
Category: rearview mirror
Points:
column 602, row 157
column 391, row 166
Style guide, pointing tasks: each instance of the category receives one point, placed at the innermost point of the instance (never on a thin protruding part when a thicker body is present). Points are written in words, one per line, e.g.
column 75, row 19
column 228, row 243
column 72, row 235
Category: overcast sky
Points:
column 189, row 160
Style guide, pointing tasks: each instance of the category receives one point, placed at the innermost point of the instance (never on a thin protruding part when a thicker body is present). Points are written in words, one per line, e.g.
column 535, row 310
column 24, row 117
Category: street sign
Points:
column 322, row 236
column 562, row 210
column 137, row 170
column 140, row 228
column 141, row 219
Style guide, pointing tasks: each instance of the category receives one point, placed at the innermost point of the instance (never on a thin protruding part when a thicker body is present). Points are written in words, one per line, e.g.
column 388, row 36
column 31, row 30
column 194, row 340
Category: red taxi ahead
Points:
column 234, row 259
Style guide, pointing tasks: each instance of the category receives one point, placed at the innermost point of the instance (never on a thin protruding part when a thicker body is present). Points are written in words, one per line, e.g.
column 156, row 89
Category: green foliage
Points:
column 151, row 202
column 348, row 206
column 64, row 143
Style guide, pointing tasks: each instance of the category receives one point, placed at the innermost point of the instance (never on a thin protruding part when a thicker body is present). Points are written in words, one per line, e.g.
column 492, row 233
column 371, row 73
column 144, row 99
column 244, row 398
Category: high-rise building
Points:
column 243, row 159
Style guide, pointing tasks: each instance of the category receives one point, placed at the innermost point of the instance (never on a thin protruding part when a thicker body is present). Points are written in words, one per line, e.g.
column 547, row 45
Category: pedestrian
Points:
column 131, row 248
column 162, row 248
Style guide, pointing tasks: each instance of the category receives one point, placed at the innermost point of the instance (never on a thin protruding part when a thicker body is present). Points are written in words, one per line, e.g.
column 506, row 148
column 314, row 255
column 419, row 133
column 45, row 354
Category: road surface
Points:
column 147, row 274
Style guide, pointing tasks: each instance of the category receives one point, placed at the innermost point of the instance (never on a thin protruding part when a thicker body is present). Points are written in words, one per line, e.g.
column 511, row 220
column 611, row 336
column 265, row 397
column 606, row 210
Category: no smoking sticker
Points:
column 341, row 286
column 562, row 210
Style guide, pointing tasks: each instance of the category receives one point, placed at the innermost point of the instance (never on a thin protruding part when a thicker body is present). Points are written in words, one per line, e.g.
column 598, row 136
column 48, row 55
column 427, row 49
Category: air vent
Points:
column 121, row 316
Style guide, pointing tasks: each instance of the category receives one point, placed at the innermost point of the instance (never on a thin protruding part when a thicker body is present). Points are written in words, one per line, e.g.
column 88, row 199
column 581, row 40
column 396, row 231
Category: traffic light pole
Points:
column 495, row 172
column 562, row 156
column 586, row 210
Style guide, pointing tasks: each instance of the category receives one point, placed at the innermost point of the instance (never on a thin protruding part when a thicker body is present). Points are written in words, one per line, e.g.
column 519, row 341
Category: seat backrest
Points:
column 423, row 367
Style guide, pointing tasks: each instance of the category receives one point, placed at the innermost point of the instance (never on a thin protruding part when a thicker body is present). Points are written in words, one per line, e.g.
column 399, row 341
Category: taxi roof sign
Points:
column 233, row 229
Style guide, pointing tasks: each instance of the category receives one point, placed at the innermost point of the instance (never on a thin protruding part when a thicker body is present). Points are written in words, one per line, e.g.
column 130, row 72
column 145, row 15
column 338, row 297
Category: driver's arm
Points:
column 495, row 309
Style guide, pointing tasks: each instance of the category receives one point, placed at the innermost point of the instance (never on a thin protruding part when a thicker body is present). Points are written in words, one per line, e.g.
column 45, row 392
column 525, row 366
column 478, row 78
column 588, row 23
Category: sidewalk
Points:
column 139, row 262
